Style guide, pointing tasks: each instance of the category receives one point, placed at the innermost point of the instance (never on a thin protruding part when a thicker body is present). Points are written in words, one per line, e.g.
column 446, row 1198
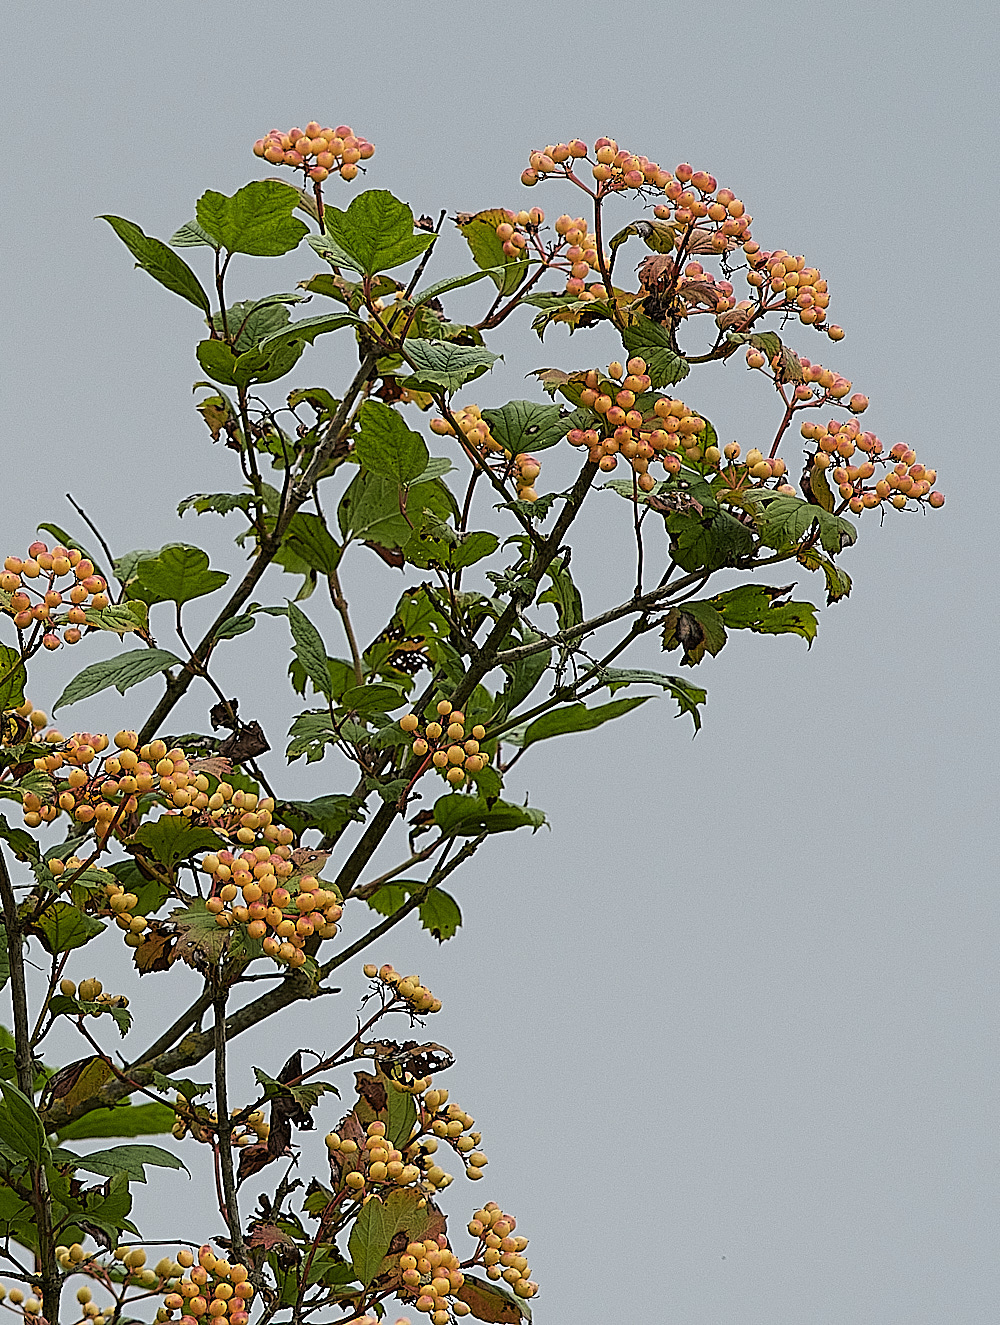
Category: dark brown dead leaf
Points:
column 155, row 952
column 246, row 742
column 657, row 272
column 224, row 715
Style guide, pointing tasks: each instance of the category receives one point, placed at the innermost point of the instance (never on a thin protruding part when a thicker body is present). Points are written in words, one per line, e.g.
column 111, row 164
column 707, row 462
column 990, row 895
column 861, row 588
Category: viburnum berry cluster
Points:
column 38, row 608
column 502, row 1252
column 409, row 990
column 444, row 744
column 282, row 919
column 318, row 152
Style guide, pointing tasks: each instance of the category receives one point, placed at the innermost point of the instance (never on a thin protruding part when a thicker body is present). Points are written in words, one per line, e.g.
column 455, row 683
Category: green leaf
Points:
column 376, row 697
column 525, row 425
column 386, row 446
column 122, row 672
column 124, row 1119
column 688, row 696
column 177, row 574
column 257, row 219
column 191, row 235
column 218, row 360
column 370, row 508
column 376, row 231
column 110, row 1212
column 784, row 521
column 310, row 540
column 309, row 649
column 219, row 502
column 269, row 361
column 150, row 893
column 468, row 816
column 507, row 271
column 62, row 927
column 377, row 1223
column 330, row 814
column 441, row 365
column 457, row 552
column 439, row 912
column 120, row 618
column 653, row 343
column 236, row 625
column 755, row 607
column 153, row 256
column 454, row 283
column 696, row 628
column 570, row 718
column 838, row 582
column 13, row 678
column 440, row 915
column 307, row 329
column 252, row 320
column 310, row 733
column 564, row 594
column 172, row 838
column 20, row 1126
column 708, row 542
column 126, row 1159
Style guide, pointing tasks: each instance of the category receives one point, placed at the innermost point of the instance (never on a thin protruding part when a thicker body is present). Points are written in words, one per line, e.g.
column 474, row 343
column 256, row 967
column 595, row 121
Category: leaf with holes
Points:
column 525, row 425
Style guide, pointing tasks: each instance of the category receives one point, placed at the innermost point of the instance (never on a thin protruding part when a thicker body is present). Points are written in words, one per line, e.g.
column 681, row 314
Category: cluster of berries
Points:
column 800, row 288
column 103, row 794
column 473, row 428
column 202, row 1124
column 30, row 1304
column 407, row 987
column 639, row 435
column 441, row 1121
column 613, row 169
column 695, row 199
column 908, row 480
column 318, row 152
column 125, row 1264
column 581, row 255
column 819, row 385
column 36, row 606
column 758, row 467
column 92, row 991
column 500, row 1251
column 370, row 1162
column 524, row 468
column 282, row 918
column 212, row 1290
column 431, row 1271
column 445, row 745
column 517, row 228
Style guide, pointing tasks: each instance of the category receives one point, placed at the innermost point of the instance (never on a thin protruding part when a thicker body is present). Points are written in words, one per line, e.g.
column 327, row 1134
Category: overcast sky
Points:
column 730, row 1027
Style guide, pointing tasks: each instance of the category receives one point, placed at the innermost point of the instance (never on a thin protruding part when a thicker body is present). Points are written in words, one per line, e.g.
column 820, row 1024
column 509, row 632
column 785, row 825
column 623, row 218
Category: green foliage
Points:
column 468, row 816
column 178, row 573
column 256, row 220
column 13, row 678
column 375, row 233
column 122, row 672
column 656, row 344
column 130, row 1160
column 439, row 913
column 441, row 366
column 387, row 447
column 171, row 839
column 153, row 256
column 570, row 718
column 507, row 271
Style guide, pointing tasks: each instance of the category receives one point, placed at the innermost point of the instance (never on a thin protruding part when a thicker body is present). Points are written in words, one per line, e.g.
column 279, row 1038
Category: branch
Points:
column 297, row 494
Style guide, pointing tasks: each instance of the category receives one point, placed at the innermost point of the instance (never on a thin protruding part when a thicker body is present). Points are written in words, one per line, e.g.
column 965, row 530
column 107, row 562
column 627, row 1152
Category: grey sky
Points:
column 730, row 1028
